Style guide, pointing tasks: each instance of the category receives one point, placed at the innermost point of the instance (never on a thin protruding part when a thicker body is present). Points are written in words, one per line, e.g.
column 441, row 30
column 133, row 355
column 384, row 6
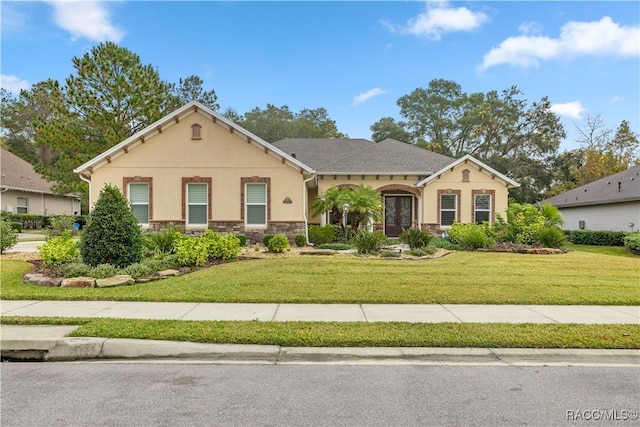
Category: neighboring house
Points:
column 608, row 204
column 24, row 191
column 195, row 169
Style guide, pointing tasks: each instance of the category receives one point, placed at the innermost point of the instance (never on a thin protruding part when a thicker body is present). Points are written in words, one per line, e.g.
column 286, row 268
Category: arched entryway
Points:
column 400, row 208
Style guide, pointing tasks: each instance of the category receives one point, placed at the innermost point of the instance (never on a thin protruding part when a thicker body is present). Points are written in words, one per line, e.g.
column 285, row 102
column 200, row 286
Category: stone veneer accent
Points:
column 253, row 235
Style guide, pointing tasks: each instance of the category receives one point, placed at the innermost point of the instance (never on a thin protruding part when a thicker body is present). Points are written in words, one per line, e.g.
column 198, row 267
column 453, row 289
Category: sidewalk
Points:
column 50, row 343
column 418, row 313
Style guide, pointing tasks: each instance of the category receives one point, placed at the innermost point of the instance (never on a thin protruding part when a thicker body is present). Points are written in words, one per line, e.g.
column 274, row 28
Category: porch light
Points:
column 345, row 212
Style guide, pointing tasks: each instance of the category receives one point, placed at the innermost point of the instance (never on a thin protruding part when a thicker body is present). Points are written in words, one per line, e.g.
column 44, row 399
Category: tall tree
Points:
column 21, row 115
column 275, row 123
column 387, row 127
column 499, row 128
column 191, row 89
column 111, row 96
column 605, row 152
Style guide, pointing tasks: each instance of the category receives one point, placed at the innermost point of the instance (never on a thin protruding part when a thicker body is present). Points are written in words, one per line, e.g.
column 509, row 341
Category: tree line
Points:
column 111, row 95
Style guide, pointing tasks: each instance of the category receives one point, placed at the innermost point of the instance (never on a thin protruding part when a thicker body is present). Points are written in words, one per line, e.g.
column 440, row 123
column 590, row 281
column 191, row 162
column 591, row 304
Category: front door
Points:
column 397, row 214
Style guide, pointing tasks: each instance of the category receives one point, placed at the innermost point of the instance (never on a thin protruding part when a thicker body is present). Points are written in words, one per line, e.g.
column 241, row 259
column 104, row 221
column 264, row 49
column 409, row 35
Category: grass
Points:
column 602, row 250
column 458, row 278
column 321, row 334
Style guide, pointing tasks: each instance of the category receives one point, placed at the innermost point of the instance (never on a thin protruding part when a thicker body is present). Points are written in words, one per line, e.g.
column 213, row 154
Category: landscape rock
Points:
column 168, row 273
column 79, row 282
column 117, row 280
column 51, row 282
column 34, row 277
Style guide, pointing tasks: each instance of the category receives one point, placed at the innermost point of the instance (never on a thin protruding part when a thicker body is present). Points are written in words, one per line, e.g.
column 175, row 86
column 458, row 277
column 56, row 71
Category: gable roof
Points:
column 174, row 118
column 617, row 188
column 18, row 174
column 468, row 158
column 364, row 157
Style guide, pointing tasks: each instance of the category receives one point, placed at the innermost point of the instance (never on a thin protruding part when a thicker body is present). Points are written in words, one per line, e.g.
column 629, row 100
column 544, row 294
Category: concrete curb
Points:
column 76, row 349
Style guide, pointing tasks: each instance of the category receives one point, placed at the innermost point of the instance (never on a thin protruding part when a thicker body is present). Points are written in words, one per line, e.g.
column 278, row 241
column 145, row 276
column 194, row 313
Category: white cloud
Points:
column 368, row 95
column 597, row 38
column 13, row 84
column 572, row 109
column 440, row 18
column 530, row 28
column 616, row 99
column 85, row 19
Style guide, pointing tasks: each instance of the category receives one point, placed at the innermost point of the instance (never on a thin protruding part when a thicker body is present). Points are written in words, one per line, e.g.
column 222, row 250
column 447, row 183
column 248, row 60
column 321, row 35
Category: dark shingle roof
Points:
column 616, row 188
column 20, row 175
column 361, row 156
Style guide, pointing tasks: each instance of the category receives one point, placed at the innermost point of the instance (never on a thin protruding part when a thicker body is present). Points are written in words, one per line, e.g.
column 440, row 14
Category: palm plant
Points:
column 330, row 201
column 552, row 215
column 365, row 203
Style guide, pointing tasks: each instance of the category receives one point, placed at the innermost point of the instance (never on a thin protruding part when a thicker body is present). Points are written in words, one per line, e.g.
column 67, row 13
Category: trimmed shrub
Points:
column 550, row 237
column 470, row 236
column 265, row 239
column 221, row 247
column 367, row 242
column 277, row 244
column 8, row 236
column 242, row 239
column 191, row 251
column 103, row 271
column 59, row 250
column 596, row 238
column 335, row 246
column 415, row 238
column 632, row 242
column 74, row 269
column 300, row 240
column 113, row 235
column 139, row 270
column 16, row 226
column 325, row 234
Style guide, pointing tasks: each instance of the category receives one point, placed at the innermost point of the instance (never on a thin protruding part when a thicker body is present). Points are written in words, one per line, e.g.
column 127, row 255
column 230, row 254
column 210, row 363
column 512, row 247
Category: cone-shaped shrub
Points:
column 113, row 235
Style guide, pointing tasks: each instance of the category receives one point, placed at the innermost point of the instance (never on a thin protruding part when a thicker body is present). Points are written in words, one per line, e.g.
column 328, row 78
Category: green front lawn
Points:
column 602, row 250
column 458, row 278
column 380, row 334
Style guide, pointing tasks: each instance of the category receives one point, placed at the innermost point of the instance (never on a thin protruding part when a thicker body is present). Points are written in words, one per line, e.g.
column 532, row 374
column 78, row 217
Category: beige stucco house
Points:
column 196, row 169
column 24, row 191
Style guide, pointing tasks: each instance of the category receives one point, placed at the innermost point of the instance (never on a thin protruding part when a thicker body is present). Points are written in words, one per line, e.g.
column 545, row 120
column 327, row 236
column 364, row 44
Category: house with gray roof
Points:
column 196, row 169
column 23, row 190
column 607, row 204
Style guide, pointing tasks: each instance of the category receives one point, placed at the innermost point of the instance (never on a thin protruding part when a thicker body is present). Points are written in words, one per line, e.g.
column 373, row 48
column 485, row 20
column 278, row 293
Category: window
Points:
column 139, row 200
column 22, row 205
column 256, row 204
column 482, row 204
column 197, row 203
column 448, row 209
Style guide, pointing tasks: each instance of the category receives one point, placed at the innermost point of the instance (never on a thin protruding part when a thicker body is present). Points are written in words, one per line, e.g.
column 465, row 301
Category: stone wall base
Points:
column 253, row 235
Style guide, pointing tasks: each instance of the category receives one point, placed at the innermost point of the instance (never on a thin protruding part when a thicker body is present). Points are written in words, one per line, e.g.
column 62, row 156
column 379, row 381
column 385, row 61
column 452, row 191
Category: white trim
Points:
column 169, row 120
column 471, row 159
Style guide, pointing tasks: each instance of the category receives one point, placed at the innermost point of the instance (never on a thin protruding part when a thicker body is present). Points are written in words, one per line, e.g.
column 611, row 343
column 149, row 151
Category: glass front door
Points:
column 397, row 214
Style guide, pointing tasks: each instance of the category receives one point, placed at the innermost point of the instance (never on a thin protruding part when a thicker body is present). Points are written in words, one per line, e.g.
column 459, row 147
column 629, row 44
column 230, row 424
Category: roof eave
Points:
column 169, row 118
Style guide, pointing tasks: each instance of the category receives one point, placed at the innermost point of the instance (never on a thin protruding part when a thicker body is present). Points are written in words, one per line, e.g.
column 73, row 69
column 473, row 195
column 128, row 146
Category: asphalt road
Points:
column 140, row 394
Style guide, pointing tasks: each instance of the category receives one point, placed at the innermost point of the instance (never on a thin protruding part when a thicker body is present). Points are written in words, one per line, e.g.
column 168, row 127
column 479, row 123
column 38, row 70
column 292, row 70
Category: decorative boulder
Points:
column 168, row 273
column 117, row 280
column 79, row 282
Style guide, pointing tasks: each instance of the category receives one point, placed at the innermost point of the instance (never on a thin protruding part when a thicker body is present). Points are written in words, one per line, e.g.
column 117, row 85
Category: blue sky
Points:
column 353, row 58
